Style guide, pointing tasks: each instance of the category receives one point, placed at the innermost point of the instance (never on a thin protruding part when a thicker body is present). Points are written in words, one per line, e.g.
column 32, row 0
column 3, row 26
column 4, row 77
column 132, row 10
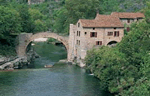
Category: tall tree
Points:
column 9, row 22
column 74, row 10
column 26, row 20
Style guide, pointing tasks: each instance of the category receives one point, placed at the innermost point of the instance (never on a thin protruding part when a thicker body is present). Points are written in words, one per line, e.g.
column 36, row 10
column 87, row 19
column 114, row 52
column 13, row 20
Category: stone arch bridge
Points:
column 68, row 41
column 25, row 38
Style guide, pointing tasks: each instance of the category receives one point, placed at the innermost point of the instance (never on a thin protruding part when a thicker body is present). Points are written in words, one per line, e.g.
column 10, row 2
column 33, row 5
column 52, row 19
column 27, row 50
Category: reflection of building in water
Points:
column 35, row 1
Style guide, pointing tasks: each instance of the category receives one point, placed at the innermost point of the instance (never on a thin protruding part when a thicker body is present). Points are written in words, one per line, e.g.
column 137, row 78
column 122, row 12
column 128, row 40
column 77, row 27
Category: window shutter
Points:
column 78, row 24
column 116, row 33
column 91, row 34
column 100, row 42
column 128, row 29
column 95, row 34
column 96, row 42
column 128, row 20
column 108, row 33
column 79, row 33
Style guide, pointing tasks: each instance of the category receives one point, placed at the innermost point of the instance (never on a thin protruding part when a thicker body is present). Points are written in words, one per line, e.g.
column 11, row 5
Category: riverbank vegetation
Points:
column 125, row 69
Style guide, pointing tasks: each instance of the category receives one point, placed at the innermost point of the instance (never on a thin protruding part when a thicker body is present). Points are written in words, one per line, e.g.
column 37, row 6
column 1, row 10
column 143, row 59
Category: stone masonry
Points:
column 35, row 1
column 26, row 38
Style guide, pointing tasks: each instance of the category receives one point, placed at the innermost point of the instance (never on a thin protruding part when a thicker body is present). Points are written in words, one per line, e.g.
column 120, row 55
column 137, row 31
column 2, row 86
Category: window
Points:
column 78, row 24
column 116, row 33
column 77, row 42
column 79, row 33
column 93, row 28
column 115, row 28
column 128, row 29
column 128, row 20
column 110, row 33
column 98, row 42
column 93, row 34
column 85, row 33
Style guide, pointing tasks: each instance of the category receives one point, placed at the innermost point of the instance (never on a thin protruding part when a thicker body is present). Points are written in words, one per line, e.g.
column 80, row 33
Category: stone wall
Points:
column 22, row 42
column 71, row 43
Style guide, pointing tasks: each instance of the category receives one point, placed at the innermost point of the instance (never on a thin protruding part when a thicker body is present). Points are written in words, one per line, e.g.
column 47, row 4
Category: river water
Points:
column 60, row 80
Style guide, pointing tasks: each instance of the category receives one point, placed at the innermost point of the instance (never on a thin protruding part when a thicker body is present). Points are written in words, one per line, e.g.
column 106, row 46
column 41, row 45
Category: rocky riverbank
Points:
column 11, row 63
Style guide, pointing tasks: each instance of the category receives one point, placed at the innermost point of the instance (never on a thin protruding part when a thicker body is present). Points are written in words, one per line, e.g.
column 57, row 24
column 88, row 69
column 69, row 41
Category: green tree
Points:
column 9, row 22
column 39, row 26
column 135, row 44
column 38, row 20
column 60, row 25
column 74, row 10
column 26, row 20
column 147, row 12
column 109, row 6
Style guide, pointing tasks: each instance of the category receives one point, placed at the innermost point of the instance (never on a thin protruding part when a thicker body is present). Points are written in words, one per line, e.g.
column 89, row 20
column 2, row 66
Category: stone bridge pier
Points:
column 24, row 40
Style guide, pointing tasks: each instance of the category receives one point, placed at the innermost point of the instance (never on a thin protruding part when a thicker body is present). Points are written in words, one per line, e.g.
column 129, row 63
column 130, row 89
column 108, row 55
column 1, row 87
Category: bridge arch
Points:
column 25, row 39
column 112, row 42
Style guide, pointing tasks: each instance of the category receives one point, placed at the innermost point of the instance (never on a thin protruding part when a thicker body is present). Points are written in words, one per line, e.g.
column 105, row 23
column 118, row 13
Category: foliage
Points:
column 39, row 26
column 26, row 20
column 59, row 25
column 38, row 20
column 9, row 23
column 7, row 50
column 104, row 68
column 124, row 69
column 74, row 10
column 51, row 40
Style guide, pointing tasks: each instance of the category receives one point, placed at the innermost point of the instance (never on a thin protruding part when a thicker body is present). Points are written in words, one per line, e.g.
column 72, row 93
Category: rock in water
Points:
column 48, row 66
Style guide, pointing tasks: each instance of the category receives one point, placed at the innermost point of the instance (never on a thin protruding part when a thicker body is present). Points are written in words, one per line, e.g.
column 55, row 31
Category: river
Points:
column 60, row 80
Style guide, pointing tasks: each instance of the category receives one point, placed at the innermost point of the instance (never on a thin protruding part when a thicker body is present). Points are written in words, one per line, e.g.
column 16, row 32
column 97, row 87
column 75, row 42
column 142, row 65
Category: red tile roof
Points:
column 102, row 21
column 128, row 15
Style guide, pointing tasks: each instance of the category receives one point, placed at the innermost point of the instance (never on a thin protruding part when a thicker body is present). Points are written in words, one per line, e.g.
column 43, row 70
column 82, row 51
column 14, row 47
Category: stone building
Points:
column 128, row 18
column 35, row 1
column 103, row 30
